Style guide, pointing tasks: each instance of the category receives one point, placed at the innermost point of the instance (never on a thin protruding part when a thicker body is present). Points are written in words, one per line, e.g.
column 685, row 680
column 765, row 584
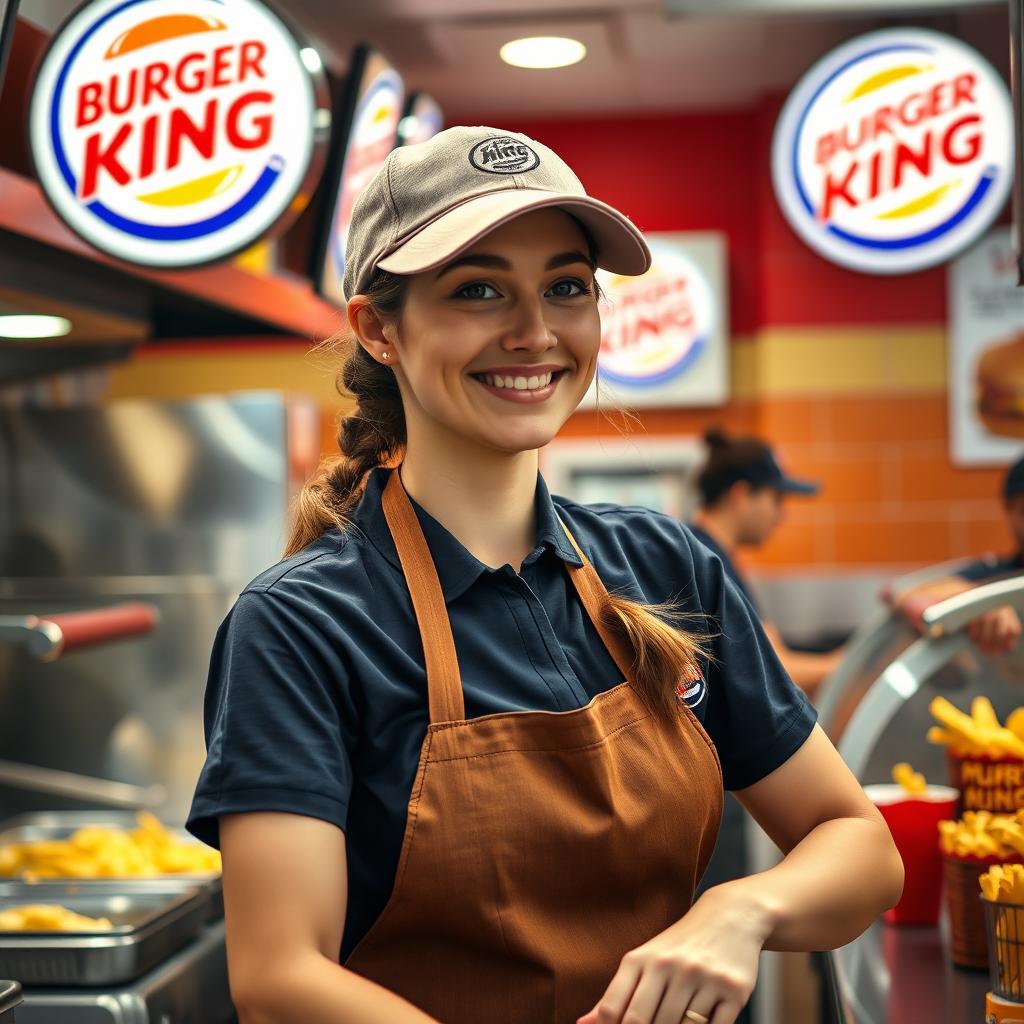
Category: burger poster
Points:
column 986, row 353
column 171, row 133
column 894, row 152
column 664, row 334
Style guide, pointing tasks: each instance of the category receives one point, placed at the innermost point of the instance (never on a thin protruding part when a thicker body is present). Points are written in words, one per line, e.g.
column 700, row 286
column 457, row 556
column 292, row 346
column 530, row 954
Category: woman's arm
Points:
column 841, row 870
column 285, row 895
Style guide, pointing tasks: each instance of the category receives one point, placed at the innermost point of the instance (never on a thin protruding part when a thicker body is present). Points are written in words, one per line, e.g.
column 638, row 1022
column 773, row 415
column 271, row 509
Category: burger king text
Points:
column 866, row 177
column 129, row 149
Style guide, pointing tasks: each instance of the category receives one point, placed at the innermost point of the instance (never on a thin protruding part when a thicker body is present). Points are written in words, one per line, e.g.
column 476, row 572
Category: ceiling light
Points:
column 543, row 52
column 25, row 325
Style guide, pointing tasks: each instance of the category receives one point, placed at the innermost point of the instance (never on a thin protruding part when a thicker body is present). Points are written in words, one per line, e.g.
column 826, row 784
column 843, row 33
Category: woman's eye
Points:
column 477, row 290
column 569, row 288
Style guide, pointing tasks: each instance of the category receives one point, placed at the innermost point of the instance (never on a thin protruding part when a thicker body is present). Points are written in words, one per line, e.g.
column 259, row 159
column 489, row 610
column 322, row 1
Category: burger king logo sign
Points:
column 655, row 326
column 894, row 152
column 176, row 132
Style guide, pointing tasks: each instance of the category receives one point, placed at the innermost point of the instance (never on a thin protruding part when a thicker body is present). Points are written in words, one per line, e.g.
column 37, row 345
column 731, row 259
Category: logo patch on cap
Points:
column 503, row 154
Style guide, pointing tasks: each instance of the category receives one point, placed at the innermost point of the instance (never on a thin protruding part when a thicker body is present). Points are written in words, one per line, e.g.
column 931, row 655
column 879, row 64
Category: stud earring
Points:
column 385, row 355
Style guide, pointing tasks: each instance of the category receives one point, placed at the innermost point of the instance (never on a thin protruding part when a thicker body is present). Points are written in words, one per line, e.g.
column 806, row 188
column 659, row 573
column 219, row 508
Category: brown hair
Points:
column 373, row 434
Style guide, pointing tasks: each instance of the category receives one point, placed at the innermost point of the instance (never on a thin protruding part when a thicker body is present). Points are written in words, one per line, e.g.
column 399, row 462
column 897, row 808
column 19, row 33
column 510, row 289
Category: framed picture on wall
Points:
column 664, row 335
column 986, row 354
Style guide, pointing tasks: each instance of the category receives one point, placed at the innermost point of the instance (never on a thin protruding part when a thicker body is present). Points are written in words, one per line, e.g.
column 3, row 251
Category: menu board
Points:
column 367, row 132
column 986, row 354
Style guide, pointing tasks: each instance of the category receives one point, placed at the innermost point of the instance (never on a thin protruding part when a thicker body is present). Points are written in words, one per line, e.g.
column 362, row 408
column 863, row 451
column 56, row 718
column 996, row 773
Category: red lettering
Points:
column 201, row 136
column 147, row 151
column 97, row 159
column 89, row 106
column 263, row 123
column 220, row 66
column 155, row 77
column 973, row 142
column 883, row 115
column 123, row 105
column 904, row 155
column 826, row 149
column 838, row 190
column 963, row 89
column 184, row 81
column 876, row 174
column 252, row 52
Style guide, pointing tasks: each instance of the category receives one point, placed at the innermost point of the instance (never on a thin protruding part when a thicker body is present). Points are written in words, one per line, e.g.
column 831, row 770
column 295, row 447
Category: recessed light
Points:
column 543, row 52
column 33, row 325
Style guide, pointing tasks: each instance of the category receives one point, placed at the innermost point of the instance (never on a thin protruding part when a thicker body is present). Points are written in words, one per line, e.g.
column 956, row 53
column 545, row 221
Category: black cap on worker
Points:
column 747, row 460
column 1013, row 485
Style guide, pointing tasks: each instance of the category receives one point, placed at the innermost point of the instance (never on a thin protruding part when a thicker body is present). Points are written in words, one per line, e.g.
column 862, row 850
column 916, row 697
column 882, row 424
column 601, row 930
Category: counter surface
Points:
column 892, row 975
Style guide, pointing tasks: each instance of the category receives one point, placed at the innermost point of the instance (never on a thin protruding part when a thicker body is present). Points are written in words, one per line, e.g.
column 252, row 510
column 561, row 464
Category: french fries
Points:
column 1004, row 883
column 978, row 733
column 912, row 782
column 983, row 834
column 97, row 852
column 49, row 917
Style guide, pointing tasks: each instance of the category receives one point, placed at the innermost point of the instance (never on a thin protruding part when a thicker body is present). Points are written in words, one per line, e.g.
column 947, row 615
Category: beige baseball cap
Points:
column 432, row 200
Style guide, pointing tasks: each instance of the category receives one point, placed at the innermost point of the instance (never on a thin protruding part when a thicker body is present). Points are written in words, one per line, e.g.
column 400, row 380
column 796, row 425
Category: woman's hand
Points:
column 705, row 963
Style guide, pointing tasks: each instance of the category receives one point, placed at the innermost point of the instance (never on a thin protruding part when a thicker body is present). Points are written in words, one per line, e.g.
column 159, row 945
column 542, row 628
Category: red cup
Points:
column 913, row 820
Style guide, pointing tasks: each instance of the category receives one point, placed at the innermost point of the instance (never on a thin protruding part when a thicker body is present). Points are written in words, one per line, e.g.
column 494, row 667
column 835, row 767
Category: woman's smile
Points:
column 523, row 384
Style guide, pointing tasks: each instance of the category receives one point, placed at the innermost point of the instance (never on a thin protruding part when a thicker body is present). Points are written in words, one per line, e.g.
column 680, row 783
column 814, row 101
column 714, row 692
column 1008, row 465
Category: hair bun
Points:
column 715, row 437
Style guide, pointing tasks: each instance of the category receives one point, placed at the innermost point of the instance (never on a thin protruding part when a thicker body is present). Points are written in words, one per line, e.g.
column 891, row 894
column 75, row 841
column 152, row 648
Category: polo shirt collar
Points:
column 457, row 568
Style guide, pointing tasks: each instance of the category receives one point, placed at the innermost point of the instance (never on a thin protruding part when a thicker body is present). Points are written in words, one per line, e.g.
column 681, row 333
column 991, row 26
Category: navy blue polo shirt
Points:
column 984, row 570
column 727, row 563
column 316, row 702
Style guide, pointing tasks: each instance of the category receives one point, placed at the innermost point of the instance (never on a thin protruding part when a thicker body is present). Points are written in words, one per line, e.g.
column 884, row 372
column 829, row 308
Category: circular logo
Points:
column 171, row 133
column 655, row 326
column 691, row 691
column 894, row 152
column 503, row 154
column 374, row 129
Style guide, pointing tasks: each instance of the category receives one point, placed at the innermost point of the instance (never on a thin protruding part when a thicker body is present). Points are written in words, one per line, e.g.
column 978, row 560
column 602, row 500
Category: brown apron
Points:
column 540, row 846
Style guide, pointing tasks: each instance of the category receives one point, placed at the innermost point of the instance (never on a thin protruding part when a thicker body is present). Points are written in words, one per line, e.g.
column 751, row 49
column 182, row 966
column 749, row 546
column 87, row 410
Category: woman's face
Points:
column 499, row 345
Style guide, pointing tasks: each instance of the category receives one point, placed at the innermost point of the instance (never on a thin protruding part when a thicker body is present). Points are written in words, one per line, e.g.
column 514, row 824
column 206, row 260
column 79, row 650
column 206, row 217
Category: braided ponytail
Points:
column 372, row 435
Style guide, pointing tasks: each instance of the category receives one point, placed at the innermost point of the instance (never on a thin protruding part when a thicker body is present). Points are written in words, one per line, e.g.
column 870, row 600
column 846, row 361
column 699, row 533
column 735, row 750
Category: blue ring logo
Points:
column 131, row 76
column 893, row 152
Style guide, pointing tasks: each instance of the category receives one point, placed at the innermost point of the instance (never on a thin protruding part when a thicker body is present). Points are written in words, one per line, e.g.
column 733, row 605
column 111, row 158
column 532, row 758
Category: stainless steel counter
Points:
column 904, row 976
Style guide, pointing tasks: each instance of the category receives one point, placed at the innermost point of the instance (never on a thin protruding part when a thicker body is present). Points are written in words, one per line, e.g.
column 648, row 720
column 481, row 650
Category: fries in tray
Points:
column 49, row 917
column 978, row 733
column 100, row 852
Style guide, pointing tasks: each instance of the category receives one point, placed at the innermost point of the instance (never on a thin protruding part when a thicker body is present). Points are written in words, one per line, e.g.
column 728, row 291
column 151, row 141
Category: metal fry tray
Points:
column 43, row 825
column 151, row 919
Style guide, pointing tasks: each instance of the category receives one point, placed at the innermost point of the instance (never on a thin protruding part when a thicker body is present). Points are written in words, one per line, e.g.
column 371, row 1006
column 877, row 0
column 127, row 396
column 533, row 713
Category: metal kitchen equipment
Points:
column 190, row 987
column 897, row 974
column 43, row 825
column 150, row 921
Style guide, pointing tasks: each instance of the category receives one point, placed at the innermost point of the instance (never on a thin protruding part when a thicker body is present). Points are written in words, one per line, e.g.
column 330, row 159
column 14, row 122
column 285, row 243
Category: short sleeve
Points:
column 756, row 715
column 279, row 720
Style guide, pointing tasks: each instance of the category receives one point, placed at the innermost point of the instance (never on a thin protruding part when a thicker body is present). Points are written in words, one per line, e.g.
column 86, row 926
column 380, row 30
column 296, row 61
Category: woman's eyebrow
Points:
column 483, row 259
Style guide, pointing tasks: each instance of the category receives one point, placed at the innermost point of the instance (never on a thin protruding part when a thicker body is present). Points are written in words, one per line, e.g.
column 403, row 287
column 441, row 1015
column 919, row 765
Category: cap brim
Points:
column 621, row 248
column 790, row 486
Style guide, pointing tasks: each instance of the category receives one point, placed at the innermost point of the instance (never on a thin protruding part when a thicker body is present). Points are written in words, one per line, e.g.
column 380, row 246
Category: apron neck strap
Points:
column 594, row 597
column 444, row 683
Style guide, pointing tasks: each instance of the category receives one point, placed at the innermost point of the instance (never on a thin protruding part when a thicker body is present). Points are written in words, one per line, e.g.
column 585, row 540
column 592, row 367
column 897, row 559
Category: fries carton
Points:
column 986, row 758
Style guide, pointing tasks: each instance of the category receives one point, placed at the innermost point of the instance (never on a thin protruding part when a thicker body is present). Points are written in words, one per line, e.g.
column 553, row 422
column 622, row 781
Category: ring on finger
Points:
column 697, row 1018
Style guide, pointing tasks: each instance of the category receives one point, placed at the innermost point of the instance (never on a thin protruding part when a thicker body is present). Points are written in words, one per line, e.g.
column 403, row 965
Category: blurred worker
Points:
column 997, row 631
column 742, row 492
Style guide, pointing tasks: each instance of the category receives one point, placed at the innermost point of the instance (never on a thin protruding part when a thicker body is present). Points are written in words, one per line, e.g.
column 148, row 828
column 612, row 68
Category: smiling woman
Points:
column 467, row 742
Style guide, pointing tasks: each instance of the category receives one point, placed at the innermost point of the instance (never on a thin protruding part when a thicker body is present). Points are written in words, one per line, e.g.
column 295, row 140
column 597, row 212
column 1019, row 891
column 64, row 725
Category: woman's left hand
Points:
column 705, row 963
